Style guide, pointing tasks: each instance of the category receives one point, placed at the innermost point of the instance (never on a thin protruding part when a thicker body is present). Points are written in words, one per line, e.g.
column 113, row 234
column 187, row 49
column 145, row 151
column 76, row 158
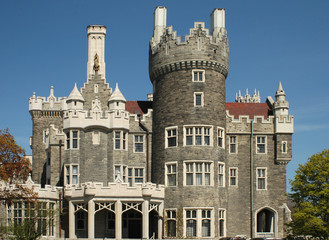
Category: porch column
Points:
column 118, row 219
column 71, row 221
column 91, row 219
column 145, row 209
column 160, row 221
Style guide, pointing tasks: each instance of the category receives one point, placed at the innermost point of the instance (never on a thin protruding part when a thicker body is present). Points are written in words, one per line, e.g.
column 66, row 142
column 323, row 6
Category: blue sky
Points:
column 44, row 43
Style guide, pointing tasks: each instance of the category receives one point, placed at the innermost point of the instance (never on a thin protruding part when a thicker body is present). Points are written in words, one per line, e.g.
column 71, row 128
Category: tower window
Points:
column 284, row 148
column 261, row 178
column 171, row 172
column 171, row 137
column 233, row 176
column 233, row 147
column 260, row 144
column 171, row 223
column 120, row 140
column 71, row 172
column 198, row 75
column 72, row 139
column 221, row 174
column 198, row 99
column 198, row 173
column 220, row 136
column 138, row 142
column 197, row 136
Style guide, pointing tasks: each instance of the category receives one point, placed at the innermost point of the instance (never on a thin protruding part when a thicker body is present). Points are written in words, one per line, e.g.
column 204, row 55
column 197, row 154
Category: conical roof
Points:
column 280, row 90
column 117, row 95
column 75, row 95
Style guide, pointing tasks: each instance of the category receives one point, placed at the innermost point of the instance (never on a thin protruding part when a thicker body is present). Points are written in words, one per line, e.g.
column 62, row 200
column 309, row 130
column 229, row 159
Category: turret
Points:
column 117, row 100
column 160, row 22
column 281, row 105
column 96, row 50
column 75, row 100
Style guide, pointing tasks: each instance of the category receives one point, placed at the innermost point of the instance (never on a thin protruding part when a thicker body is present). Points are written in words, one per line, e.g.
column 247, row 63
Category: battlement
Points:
column 115, row 190
column 208, row 50
column 284, row 124
column 47, row 103
column 106, row 119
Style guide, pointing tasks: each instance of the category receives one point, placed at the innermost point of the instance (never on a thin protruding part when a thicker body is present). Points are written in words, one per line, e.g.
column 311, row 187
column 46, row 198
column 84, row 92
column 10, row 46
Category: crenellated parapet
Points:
column 46, row 192
column 105, row 119
column 115, row 190
column 50, row 103
column 199, row 50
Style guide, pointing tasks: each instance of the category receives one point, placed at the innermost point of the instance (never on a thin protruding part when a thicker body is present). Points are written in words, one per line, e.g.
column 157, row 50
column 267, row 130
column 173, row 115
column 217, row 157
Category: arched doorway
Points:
column 266, row 222
column 153, row 224
column 132, row 224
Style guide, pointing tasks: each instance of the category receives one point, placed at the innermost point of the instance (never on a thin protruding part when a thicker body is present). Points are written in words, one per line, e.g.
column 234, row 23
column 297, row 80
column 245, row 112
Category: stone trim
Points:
column 188, row 64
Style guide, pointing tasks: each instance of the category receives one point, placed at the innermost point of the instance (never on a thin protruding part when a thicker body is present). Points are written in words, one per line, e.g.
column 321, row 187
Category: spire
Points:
column 117, row 95
column 75, row 95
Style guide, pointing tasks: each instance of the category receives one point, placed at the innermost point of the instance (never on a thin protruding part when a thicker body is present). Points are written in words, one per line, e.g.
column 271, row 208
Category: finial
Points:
column 116, row 85
column 51, row 91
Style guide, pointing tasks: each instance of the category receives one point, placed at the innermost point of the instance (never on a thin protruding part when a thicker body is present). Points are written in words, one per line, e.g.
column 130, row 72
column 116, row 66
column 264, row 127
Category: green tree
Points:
column 310, row 193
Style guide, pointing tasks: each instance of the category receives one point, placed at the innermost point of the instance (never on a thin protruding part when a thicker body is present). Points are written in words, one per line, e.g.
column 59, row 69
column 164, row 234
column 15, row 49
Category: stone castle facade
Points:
column 184, row 164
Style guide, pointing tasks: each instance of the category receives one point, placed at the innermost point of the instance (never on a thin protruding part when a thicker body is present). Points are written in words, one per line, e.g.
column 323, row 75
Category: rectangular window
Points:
column 171, row 169
column 120, row 172
column 72, row 139
column 198, row 99
column 233, row 147
column 198, row 173
column 233, row 176
column 261, row 178
column 120, row 140
column 40, row 213
column 221, row 174
column 138, row 142
column 171, row 223
column 191, row 223
column 261, row 144
column 198, row 75
column 198, row 222
column 171, row 137
column 284, row 148
column 206, row 220
column 135, row 175
column 220, row 136
column 221, row 223
column 197, row 136
column 71, row 173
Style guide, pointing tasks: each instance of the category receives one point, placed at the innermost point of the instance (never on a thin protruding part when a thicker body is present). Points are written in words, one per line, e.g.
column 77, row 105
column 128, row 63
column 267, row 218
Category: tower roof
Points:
column 280, row 90
column 75, row 95
column 117, row 95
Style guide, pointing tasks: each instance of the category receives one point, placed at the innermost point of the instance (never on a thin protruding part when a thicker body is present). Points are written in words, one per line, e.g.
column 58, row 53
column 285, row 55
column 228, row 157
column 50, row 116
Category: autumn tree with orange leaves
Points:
column 14, row 169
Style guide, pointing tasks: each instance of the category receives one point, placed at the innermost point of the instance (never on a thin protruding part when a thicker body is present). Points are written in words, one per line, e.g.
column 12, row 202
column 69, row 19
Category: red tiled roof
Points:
column 235, row 109
column 138, row 107
column 248, row 109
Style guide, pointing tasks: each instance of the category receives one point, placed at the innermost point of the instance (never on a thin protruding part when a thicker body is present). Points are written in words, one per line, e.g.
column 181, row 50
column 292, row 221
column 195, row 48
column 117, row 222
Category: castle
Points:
column 184, row 164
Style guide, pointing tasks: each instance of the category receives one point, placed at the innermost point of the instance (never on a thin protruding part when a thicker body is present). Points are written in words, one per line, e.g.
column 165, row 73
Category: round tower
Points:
column 188, row 148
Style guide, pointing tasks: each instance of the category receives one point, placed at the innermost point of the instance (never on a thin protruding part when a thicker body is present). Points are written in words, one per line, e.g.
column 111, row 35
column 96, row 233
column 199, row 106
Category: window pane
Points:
column 189, row 140
column 198, row 100
column 171, row 228
column 205, row 228
column 207, row 179
column 74, row 169
column 197, row 140
column 75, row 134
column 206, row 140
column 199, row 179
column 75, row 143
column 172, row 180
column 191, row 228
column 117, row 144
column 74, row 179
column 189, row 179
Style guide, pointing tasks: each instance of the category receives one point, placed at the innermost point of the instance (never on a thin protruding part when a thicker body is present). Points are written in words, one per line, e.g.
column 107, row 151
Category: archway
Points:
column 266, row 222
column 132, row 224
column 104, row 224
column 153, row 224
